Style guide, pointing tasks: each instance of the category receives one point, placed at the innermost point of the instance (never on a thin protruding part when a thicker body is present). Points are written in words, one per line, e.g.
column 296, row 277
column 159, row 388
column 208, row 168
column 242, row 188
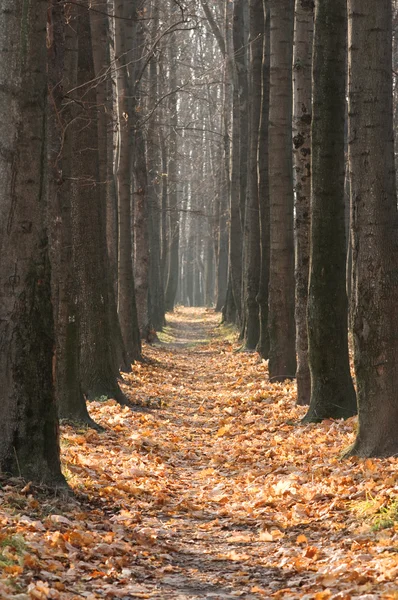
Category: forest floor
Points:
column 212, row 490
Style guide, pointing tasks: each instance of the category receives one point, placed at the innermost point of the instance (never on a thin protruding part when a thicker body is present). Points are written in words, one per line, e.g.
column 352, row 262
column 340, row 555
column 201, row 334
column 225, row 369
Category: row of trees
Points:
column 146, row 157
column 312, row 201
column 89, row 217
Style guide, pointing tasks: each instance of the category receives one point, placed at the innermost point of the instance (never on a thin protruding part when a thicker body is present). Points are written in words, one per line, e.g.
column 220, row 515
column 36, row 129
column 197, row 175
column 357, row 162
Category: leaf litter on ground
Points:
column 218, row 492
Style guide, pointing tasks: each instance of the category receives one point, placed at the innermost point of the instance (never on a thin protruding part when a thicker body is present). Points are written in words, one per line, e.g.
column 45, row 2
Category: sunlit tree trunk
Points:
column 106, row 189
column 140, row 187
column 165, row 256
column 174, row 235
column 282, row 355
column 374, row 227
column 332, row 391
column 29, row 444
column 302, row 111
column 126, row 290
column 224, row 179
column 154, row 187
column 112, row 158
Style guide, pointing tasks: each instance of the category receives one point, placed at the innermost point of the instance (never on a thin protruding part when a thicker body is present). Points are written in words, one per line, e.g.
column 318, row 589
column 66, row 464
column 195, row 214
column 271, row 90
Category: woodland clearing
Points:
column 211, row 490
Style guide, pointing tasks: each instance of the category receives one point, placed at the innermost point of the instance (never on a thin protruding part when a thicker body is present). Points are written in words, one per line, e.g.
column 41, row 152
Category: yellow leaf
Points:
column 223, row 430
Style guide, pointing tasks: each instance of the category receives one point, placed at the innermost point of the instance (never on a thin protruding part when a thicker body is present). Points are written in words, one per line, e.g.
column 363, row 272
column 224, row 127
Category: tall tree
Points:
column 263, row 190
column 137, row 67
column 99, row 355
column 221, row 208
column 62, row 73
column 174, row 225
column 100, row 32
column 252, row 220
column 234, row 293
column 374, row 226
column 156, row 289
column 302, row 116
column 126, row 290
column 282, row 355
column 332, row 391
column 29, row 445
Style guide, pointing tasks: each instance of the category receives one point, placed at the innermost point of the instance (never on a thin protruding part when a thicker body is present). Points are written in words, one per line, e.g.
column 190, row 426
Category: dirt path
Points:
column 212, row 491
column 209, row 562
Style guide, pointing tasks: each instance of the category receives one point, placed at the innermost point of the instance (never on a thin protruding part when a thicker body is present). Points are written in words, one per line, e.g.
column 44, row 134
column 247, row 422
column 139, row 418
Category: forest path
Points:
column 214, row 491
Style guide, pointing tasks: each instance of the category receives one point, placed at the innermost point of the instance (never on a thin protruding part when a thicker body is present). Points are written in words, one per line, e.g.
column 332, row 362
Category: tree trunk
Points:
column 165, row 257
column 221, row 249
column 99, row 357
column 302, row 116
column 332, row 391
column 29, row 445
column 263, row 190
column 172, row 275
column 235, row 223
column 126, row 289
column 222, row 258
column 106, row 188
column 140, row 191
column 62, row 72
column 154, row 189
column 282, row 355
column 253, row 255
column 374, row 227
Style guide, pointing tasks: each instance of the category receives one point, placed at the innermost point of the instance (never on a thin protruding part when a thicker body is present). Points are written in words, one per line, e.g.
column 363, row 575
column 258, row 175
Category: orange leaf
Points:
column 301, row 539
column 13, row 569
column 311, row 552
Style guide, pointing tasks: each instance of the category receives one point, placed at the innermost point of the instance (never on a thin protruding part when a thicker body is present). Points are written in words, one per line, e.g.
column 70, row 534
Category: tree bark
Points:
column 29, row 445
column 302, row 116
column 374, row 227
column 235, row 223
column 282, row 355
column 154, row 188
column 252, row 220
column 126, row 290
column 263, row 190
column 140, row 191
column 62, row 73
column 99, row 356
column 174, row 233
column 332, row 391
column 106, row 189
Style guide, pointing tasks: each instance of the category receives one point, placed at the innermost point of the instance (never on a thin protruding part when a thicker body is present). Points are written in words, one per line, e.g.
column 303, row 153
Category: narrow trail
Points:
column 213, row 490
column 208, row 563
